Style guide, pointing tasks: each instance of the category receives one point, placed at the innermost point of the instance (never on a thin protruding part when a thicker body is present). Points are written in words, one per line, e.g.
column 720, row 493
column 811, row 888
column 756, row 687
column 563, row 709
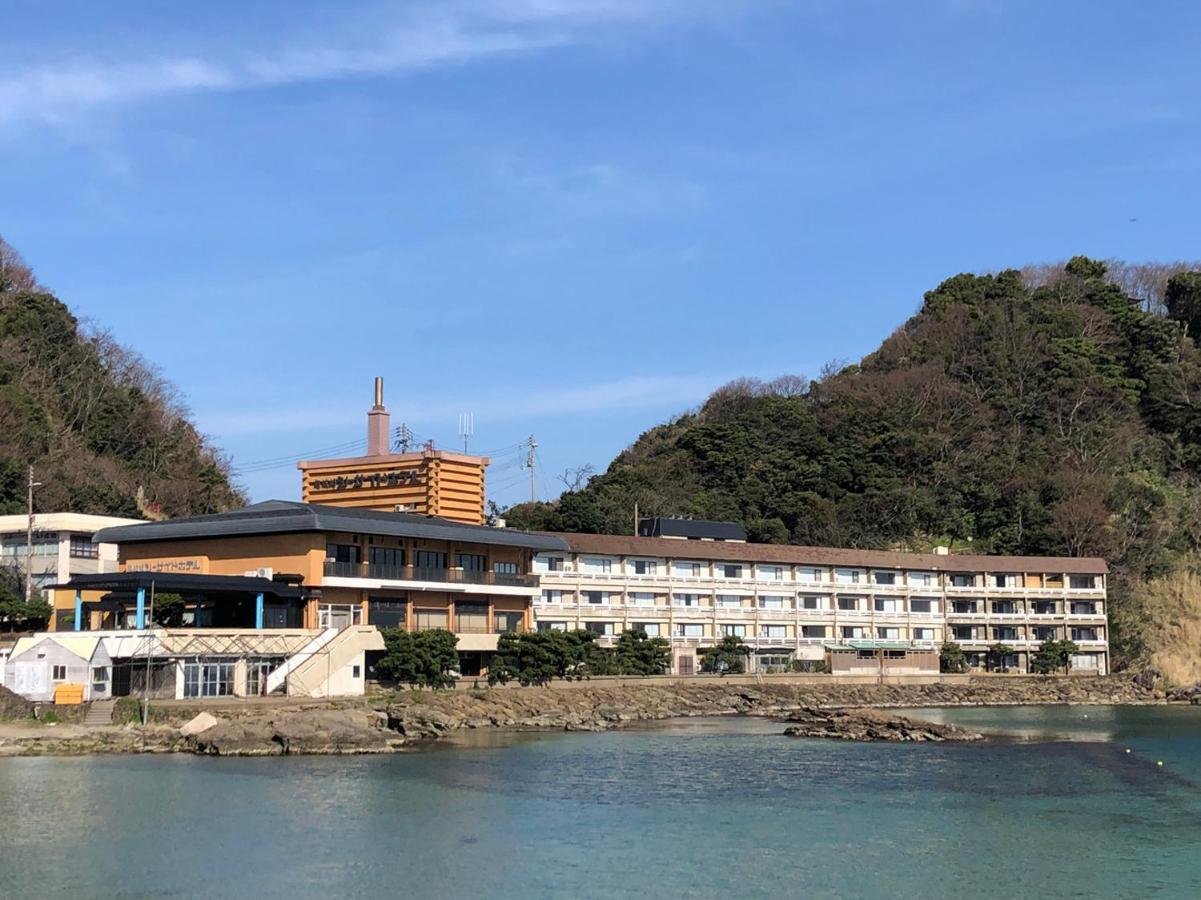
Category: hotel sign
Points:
column 182, row 566
column 363, row 480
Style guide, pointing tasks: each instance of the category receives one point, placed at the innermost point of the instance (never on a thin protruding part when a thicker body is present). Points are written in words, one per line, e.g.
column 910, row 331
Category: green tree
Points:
column 996, row 655
column 727, row 657
column 637, row 654
column 1183, row 301
column 169, row 610
column 1053, row 655
column 422, row 658
column 951, row 659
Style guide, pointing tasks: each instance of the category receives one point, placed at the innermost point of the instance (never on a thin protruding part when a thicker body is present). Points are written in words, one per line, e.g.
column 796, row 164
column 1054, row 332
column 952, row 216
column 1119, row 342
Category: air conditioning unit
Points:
column 265, row 572
column 404, row 507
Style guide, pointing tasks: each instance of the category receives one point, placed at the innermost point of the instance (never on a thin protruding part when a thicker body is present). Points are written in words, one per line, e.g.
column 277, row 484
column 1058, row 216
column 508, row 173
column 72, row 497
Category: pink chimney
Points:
column 379, row 424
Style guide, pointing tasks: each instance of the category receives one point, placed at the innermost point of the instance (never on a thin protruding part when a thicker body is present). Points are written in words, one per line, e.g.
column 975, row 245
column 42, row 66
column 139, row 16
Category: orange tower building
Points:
column 428, row 481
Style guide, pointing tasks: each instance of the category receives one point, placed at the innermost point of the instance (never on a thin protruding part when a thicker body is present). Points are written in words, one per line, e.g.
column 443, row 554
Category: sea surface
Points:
column 696, row 808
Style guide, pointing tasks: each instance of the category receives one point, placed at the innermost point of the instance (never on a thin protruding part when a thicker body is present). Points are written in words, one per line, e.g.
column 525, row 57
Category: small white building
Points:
column 38, row 665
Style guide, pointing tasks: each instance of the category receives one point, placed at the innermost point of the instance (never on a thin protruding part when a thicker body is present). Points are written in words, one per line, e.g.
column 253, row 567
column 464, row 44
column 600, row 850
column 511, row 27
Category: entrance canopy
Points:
column 220, row 601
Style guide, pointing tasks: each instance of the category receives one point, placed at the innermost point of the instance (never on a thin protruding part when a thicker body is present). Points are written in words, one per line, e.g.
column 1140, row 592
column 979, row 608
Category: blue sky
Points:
column 573, row 219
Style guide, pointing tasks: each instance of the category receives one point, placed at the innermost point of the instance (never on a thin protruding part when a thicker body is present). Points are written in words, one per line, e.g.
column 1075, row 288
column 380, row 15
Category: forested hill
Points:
column 1034, row 413
column 95, row 421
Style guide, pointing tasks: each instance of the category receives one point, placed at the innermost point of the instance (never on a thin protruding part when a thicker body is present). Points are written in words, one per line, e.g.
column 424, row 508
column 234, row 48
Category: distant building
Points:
column 63, row 546
column 853, row 609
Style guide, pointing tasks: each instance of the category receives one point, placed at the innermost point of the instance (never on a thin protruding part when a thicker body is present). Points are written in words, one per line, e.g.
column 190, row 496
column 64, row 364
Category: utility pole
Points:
column 530, row 459
column 29, row 537
column 636, row 522
column 404, row 437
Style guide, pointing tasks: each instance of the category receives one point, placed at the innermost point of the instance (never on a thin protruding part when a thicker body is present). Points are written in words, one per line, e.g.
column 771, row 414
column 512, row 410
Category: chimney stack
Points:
column 379, row 424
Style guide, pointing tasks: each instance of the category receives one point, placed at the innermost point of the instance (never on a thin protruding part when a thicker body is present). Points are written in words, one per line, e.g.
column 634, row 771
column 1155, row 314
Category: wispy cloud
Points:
column 496, row 404
column 417, row 37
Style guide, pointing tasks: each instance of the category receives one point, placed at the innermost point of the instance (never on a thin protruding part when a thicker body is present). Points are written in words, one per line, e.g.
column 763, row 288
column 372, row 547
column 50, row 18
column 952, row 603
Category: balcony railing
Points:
column 415, row 573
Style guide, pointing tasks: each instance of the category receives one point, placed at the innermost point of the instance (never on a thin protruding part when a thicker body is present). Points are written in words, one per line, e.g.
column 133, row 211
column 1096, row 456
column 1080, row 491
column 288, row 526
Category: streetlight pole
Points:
column 29, row 536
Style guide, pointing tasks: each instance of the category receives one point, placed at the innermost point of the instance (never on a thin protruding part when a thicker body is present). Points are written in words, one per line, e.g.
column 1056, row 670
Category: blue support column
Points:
column 258, row 611
column 79, row 610
column 141, row 608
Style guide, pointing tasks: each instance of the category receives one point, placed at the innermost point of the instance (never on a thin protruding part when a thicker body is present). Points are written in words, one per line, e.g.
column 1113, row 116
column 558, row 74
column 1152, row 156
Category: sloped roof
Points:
column 792, row 554
column 288, row 516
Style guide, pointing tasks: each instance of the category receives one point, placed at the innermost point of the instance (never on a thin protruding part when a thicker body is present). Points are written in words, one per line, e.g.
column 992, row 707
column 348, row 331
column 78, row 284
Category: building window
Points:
column 554, row 564
column 391, row 557
column 83, row 547
column 509, row 622
column 599, row 566
column 889, row 606
column 847, row 576
column 650, row 629
column 771, row 573
column 641, row 598
column 387, row 612
column 729, row 571
column 813, row 631
column 885, row 578
column 773, row 631
column 429, row 559
column 771, row 603
column 58, row 673
column 45, row 543
column 690, row 630
column 342, row 553
column 962, row 632
column 504, row 568
column 923, row 634
column 645, row 567
column 921, row 579
column 1044, row 607
column 471, row 618
column 686, row 599
column 688, row 569
column 1005, row 581
column 355, row 672
column 429, row 619
column 1081, row 582
column 888, row 634
column 552, row 626
column 813, row 575
column 602, row 628
column 1084, row 609
column 919, row 606
column 852, row 631
column 1044, row 633
column 963, row 581
column 729, row 600
column 472, row 562
column 1004, row 607
column 963, row 607
column 552, row 596
column 211, row 678
column 733, row 630
column 596, row 598
column 848, row 604
column 1084, row 634
column 811, row 603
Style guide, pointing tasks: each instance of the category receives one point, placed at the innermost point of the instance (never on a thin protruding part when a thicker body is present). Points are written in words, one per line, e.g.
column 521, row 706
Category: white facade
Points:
column 787, row 610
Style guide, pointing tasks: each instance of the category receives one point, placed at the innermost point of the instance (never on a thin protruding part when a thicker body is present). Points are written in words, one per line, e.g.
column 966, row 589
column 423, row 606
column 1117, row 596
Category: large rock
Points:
column 201, row 723
column 872, row 725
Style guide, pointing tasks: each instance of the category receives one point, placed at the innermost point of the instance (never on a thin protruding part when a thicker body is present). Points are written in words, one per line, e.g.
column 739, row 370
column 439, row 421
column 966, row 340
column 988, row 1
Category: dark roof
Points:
column 696, row 529
column 176, row 583
column 287, row 516
column 791, row 554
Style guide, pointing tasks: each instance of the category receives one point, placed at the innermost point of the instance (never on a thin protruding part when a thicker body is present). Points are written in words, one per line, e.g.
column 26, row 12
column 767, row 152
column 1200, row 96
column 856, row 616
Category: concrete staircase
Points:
column 310, row 678
column 100, row 712
column 278, row 676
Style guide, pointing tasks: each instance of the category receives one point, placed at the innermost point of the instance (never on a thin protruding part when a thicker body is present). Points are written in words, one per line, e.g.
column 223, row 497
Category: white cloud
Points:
column 496, row 404
column 418, row 37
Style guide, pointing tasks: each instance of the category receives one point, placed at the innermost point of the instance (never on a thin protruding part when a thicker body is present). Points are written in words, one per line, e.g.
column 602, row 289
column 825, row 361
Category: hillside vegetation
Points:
column 1045, row 412
column 100, row 427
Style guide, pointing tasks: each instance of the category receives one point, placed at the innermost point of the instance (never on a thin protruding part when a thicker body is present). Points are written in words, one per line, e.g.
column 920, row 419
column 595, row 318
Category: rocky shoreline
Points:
column 396, row 721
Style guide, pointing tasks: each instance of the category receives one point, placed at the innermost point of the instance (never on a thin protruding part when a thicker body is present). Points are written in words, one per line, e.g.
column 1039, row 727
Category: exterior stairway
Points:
column 99, row 713
column 278, row 676
column 310, row 678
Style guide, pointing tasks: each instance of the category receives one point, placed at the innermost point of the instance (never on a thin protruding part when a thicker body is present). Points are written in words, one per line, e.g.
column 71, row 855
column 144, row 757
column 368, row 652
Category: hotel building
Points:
column 62, row 546
column 696, row 582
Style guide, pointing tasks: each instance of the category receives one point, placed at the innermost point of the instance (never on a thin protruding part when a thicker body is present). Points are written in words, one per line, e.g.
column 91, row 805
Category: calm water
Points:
column 723, row 808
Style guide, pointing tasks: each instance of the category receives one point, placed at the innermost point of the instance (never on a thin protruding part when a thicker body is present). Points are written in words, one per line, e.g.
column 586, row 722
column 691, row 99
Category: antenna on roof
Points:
column 466, row 427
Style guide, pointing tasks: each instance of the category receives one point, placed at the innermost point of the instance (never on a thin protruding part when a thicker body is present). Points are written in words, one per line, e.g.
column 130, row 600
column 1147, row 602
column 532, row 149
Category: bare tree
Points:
column 575, row 479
